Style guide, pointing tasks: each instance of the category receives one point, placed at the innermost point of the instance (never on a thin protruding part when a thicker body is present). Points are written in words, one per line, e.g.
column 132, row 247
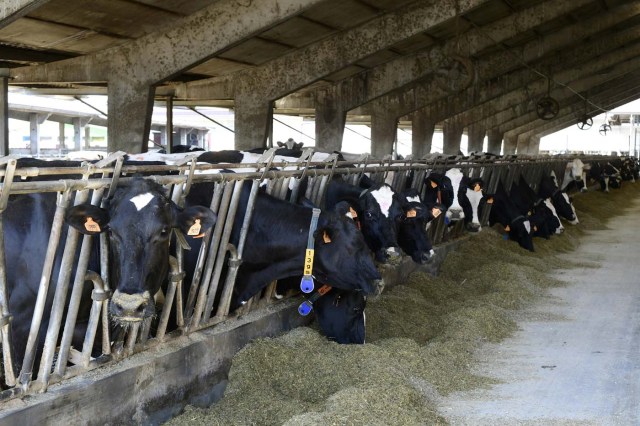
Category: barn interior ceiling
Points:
column 40, row 40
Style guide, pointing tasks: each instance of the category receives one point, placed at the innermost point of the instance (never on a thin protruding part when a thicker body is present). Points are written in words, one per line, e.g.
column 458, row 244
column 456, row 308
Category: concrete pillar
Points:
column 494, row 141
column 61, row 135
column 452, row 135
column 534, row 145
column 87, row 137
column 77, row 134
column 422, row 128
column 330, row 119
column 475, row 136
column 34, row 131
column 252, row 118
column 522, row 144
column 164, row 136
column 129, row 115
column 510, row 143
column 384, row 128
column 4, row 111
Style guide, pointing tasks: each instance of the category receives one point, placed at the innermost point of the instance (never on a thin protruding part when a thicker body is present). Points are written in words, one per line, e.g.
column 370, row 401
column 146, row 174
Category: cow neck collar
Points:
column 306, row 306
column 306, row 284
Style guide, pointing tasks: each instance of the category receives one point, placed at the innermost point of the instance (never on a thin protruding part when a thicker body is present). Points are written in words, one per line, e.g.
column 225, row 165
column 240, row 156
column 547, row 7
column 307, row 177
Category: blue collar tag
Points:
column 306, row 284
column 305, row 308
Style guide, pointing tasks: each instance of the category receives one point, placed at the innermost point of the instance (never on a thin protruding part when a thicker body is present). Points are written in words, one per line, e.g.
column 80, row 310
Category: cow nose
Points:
column 425, row 257
column 129, row 307
column 473, row 227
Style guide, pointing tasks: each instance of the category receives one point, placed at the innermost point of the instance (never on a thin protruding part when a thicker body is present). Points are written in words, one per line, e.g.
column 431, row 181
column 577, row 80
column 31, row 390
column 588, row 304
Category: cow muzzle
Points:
column 130, row 308
column 473, row 227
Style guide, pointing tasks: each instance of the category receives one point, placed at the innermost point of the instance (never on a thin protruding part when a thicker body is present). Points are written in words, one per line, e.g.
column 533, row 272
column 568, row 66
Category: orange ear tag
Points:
column 194, row 231
column 507, row 228
column 477, row 188
column 411, row 213
column 435, row 212
column 353, row 213
column 535, row 228
column 325, row 237
column 91, row 226
column 490, row 200
column 433, row 184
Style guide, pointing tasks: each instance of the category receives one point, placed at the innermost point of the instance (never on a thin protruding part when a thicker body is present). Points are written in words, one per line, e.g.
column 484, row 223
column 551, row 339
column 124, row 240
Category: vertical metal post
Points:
column 169, row 127
column 5, row 315
column 4, row 111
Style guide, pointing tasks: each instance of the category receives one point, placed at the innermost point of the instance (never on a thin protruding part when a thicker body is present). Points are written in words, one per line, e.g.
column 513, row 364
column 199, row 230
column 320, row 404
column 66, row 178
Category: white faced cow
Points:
column 467, row 194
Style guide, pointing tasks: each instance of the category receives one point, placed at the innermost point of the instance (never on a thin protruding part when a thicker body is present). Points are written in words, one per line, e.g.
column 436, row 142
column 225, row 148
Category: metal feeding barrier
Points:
column 206, row 299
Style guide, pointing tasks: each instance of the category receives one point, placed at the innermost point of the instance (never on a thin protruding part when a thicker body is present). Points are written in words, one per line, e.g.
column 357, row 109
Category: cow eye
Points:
column 165, row 231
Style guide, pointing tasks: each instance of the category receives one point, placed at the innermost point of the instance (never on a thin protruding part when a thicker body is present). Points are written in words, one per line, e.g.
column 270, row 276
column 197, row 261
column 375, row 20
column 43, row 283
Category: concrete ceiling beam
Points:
column 11, row 10
column 158, row 56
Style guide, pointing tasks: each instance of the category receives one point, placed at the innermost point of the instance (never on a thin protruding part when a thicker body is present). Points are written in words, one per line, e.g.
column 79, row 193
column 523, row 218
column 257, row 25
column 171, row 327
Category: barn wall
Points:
column 152, row 386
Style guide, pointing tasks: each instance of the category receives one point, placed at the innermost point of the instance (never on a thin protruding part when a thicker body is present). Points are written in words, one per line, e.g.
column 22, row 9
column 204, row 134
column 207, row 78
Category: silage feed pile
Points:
column 420, row 338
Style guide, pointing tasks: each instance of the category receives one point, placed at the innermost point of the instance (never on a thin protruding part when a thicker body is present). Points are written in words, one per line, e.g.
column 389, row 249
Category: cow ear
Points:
column 196, row 220
column 87, row 219
column 281, row 144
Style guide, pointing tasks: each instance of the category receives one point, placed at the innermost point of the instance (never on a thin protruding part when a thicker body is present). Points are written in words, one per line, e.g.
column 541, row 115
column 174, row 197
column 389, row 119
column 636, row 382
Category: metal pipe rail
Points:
column 198, row 309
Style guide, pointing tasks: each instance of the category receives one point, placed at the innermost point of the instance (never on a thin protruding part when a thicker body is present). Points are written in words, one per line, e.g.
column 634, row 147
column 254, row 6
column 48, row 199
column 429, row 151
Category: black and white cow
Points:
column 557, row 200
column 543, row 220
column 506, row 213
column 467, row 194
column 605, row 174
column 378, row 208
column 139, row 219
column 575, row 175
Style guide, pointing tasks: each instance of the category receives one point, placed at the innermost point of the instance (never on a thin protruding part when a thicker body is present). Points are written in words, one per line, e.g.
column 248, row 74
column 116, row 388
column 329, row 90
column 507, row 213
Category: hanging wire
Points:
column 532, row 69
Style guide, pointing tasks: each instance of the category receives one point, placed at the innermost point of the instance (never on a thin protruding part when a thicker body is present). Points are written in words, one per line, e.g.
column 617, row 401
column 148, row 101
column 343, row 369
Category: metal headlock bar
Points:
column 206, row 300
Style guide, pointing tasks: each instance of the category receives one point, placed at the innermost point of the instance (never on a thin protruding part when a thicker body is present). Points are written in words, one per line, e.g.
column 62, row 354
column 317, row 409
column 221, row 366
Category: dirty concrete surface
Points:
column 576, row 358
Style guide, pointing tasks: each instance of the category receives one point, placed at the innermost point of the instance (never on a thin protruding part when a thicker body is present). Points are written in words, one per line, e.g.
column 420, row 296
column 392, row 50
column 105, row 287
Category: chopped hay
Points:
column 421, row 337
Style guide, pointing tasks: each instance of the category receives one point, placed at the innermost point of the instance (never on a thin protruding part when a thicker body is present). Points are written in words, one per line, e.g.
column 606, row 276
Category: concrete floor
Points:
column 576, row 359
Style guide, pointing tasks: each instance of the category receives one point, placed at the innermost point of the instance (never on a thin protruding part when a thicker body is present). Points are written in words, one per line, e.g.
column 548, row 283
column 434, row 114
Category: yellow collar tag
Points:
column 411, row 213
column 91, row 226
column 195, row 228
column 308, row 262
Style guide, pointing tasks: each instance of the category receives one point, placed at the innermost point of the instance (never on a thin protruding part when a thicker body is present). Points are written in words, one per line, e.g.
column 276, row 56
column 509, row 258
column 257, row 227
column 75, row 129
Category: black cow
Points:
column 378, row 208
column 438, row 189
column 277, row 240
column 340, row 315
column 139, row 220
column 505, row 212
column 412, row 229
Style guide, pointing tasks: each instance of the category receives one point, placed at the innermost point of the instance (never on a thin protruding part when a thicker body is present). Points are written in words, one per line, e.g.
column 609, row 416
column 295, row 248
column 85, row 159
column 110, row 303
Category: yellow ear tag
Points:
column 353, row 213
column 507, row 228
column 195, row 229
column 411, row 213
column 433, row 184
column 91, row 226
column 477, row 188
column 490, row 200
column 325, row 237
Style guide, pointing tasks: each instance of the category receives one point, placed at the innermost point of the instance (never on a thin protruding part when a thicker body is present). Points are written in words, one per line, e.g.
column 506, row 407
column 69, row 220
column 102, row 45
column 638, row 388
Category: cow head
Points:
column 139, row 220
column 520, row 231
column 473, row 193
column 412, row 234
column 342, row 258
column 380, row 210
column 340, row 315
